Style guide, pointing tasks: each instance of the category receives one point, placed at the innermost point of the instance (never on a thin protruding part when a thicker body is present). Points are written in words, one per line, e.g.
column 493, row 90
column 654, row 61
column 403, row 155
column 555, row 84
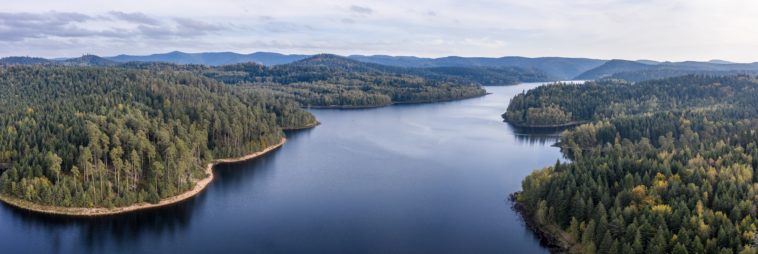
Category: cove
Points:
column 427, row 178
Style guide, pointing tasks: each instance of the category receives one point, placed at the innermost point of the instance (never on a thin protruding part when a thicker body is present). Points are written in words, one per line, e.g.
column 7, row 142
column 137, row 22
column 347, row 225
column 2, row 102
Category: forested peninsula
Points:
column 664, row 166
column 105, row 137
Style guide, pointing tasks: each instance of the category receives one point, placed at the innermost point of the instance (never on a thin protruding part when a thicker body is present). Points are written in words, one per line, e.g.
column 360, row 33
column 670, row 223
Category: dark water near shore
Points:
column 430, row 178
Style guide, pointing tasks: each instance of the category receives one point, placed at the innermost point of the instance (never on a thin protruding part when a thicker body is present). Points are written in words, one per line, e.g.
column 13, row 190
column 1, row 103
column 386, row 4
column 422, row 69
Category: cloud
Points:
column 114, row 25
column 20, row 26
column 654, row 29
column 135, row 17
column 361, row 9
column 272, row 25
column 186, row 26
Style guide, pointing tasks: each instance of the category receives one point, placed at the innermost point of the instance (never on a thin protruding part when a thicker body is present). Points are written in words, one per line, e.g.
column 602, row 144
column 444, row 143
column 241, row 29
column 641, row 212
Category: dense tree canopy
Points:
column 101, row 137
column 668, row 166
column 333, row 81
column 604, row 99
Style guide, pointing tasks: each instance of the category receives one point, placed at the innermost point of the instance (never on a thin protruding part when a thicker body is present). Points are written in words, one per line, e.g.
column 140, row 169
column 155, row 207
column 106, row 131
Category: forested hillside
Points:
column 23, row 60
column 611, row 67
column 649, row 70
column 333, row 81
column 596, row 100
column 668, row 166
column 103, row 137
column 642, row 75
column 555, row 68
column 211, row 58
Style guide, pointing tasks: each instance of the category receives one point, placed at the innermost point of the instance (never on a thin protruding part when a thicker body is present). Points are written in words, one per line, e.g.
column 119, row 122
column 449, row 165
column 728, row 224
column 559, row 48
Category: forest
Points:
column 642, row 75
column 105, row 136
column 561, row 103
column 334, row 81
column 331, row 81
column 338, row 82
column 648, row 70
column 665, row 166
column 90, row 132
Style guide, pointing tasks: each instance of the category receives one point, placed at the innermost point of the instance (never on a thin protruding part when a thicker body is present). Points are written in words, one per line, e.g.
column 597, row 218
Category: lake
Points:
column 427, row 178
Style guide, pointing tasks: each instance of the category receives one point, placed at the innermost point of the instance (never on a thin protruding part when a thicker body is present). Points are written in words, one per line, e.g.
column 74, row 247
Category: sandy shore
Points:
column 100, row 211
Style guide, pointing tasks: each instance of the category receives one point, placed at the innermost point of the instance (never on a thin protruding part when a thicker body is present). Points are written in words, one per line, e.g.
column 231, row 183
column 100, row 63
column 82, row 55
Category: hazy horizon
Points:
column 347, row 55
column 609, row 29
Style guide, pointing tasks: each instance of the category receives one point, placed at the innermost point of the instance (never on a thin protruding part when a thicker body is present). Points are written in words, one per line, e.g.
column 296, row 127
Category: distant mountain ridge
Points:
column 89, row 60
column 85, row 60
column 324, row 63
column 329, row 65
column 485, row 70
column 483, row 75
column 212, row 58
column 24, row 60
column 646, row 70
column 611, row 67
column 556, row 68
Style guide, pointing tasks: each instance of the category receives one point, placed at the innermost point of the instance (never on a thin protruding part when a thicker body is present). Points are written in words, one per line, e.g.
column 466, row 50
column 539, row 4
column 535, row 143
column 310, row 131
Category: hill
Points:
column 333, row 81
column 655, row 73
column 556, row 68
column 87, row 60
column 611, row 67
column 639, row 71
column 23, row 60
column 553, row 68
column 211, row 58
column 456, row 74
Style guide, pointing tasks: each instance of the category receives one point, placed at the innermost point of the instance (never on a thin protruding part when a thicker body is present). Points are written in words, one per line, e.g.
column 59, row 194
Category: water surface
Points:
column 429, row 178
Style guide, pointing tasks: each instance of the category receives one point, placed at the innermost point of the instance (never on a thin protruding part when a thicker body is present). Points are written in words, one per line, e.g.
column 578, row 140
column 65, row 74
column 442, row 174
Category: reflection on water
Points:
column 541, row 136
column 119, row 230
column 537, row 139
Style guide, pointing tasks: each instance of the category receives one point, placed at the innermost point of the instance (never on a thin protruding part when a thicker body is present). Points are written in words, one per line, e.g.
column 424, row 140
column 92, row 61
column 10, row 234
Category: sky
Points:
column 673, row 30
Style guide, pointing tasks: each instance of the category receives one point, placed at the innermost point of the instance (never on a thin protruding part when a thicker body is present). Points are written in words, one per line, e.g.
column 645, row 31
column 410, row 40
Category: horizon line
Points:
column 375, row 55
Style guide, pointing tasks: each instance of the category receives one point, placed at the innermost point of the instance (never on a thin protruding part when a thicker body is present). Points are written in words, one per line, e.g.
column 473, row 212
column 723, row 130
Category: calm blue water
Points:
column 430, row 178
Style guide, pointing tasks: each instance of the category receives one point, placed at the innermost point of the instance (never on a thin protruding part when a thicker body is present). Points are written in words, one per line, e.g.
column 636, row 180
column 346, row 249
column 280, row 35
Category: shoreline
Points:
column 545, row 126
column 103, row 211
column 307, row 126
column 547, row 236
column 348, row 107
column 443, row 100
